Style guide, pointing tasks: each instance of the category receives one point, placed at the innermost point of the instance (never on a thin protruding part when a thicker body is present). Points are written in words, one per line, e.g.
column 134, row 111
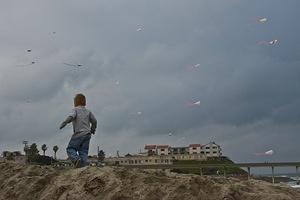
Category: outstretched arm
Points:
column 93, row 121
column 64, row 123
column 69, row 119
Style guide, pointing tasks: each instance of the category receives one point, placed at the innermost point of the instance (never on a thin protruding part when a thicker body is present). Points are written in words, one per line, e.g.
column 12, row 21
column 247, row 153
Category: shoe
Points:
column 77, row 163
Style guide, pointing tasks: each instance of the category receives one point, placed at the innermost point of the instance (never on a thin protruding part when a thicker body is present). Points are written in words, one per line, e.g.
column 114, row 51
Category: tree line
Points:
column 33, row 156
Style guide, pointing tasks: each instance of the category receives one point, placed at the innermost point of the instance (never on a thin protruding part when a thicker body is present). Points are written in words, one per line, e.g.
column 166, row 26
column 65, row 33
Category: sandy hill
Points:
column 47, row 183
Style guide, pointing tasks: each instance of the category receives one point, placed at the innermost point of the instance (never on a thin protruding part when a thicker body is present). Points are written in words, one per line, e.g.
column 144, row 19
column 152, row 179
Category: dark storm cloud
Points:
column 247, row 91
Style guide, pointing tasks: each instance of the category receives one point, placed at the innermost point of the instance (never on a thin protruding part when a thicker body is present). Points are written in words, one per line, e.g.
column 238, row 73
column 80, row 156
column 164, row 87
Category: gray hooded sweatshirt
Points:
column 84, row 122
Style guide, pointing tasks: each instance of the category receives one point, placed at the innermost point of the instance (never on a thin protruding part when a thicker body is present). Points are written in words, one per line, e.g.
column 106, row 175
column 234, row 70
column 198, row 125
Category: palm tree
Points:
column 101, row 155
column 55, row 149
column 44, row 148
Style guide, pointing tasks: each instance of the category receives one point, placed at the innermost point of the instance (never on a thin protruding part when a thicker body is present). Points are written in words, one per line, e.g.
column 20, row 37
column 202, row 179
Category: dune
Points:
column 32, row 182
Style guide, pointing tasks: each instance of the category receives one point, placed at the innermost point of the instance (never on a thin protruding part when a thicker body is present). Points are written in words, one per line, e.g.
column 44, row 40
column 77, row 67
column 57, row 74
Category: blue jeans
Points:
column 78, row 148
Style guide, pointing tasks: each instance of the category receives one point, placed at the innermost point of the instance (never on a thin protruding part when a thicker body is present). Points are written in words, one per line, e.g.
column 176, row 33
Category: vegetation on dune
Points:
column 209, row 171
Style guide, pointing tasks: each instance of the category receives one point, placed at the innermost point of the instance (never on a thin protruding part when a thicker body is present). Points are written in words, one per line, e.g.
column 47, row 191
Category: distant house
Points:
column 162, row 150
column 9, row 153
column 179, row 150
column 128, row 155
column 194, row 149
column 151, row 149
column 15, row 155
column 211, row 150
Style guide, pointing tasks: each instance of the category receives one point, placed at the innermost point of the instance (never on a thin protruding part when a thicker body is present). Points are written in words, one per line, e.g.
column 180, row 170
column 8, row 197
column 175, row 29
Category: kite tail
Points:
column 259, row 154
column 189, row 104
column 262, row 42
column 190, row 67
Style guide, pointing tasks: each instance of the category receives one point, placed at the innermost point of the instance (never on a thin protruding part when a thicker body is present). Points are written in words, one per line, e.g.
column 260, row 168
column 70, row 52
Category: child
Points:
column 81, row 118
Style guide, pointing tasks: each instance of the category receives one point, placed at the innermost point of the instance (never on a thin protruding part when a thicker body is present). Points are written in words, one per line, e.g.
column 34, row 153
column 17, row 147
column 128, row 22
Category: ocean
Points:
column 289, row 179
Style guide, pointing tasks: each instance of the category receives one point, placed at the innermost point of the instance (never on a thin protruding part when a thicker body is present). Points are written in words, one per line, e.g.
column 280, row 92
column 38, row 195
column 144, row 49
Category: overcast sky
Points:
column 249, row 91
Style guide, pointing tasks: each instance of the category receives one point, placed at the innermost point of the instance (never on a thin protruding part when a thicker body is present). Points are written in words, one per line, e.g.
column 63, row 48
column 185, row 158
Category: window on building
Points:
column 146, row 160
column 194, row 148
column 214, row 147
column 214, row 152
column 206, row 147
column 135, row 161
column 155, row 160
column 162, row 149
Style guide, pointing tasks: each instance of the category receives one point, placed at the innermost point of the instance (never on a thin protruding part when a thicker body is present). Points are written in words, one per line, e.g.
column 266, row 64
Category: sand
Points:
column 47, row 183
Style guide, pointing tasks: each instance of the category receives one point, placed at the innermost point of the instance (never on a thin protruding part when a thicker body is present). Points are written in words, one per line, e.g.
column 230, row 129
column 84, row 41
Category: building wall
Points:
column 163, row 151
column 189, row 157
column 179, row 150
column 153, row 160
column 194, row 150
column 140, row 160
column 211, row 150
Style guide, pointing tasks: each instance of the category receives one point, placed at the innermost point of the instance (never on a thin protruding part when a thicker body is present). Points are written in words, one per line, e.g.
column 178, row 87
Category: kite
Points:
column 139, row 113
column 262, row 20
column 27, row 100
column 73, row 65
column 29, row 64
column 196, row 103
column 28, row 50
column 267, row 153
column 194, row 66
column 272, row 42
column 140, row 28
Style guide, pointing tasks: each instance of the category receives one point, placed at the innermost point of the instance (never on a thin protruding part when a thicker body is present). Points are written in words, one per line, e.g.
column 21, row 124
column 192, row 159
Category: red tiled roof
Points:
column 150, row 147
column 162, row 146
column 195, row 145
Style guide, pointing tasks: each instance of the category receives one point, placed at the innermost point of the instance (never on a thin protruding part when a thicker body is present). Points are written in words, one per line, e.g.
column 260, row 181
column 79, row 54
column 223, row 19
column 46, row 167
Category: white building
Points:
column 164, row 154
column 162, row 150
column 208, row 150
column 211, row 150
